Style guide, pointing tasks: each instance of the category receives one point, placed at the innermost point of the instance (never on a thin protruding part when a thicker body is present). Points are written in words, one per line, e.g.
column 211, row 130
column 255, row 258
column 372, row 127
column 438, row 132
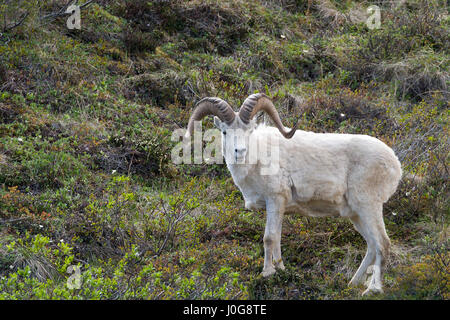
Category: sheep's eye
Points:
column 224, row 132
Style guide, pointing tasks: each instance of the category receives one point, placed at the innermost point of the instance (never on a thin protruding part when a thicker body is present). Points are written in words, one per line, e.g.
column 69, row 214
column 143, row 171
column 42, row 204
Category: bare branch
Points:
column 62, row 12
column 13, row 220
column 17, row 23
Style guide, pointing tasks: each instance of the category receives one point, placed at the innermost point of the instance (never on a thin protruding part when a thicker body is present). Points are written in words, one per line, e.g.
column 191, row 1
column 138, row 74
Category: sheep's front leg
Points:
column 272, row 236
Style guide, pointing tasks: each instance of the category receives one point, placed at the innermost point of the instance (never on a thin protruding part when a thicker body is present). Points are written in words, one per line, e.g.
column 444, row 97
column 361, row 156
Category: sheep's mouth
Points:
column 239, row 160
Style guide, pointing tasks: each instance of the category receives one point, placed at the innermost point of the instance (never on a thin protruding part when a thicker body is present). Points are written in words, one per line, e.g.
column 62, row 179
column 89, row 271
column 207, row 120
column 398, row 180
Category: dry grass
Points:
column 330, row 13
column 418, row 75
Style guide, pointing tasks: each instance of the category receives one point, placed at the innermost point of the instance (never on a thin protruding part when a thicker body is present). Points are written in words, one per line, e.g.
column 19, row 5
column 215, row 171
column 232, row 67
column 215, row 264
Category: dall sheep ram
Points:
column 319, row 175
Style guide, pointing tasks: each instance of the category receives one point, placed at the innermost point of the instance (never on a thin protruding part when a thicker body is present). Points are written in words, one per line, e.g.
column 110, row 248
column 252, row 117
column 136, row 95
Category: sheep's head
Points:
column 236, row 127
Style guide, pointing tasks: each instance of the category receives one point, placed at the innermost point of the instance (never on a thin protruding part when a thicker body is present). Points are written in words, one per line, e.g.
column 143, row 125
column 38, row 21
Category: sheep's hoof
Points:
column 268, row 272
column 280, row 266
column 372, row 290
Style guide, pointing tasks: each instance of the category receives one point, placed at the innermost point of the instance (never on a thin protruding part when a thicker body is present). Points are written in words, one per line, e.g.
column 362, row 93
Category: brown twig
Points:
column 16, row 24
column 62, row 12
column 13, row 220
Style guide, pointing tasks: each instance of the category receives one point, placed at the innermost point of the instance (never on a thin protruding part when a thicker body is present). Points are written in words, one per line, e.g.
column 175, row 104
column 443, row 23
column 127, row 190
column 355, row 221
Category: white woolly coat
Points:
column 320, row 174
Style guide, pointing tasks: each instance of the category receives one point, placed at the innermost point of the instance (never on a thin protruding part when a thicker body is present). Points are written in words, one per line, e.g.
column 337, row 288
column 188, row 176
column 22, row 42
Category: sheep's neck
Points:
column 239, row 172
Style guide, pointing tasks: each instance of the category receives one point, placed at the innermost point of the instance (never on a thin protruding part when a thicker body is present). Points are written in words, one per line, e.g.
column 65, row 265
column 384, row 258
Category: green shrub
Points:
column 427, row 279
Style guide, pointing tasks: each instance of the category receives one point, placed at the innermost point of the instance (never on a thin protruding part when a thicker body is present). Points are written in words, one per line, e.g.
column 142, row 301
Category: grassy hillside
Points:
column 86, row 118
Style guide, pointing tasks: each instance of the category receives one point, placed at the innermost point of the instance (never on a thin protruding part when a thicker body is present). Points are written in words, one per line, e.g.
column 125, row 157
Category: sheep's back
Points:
column 331, row 165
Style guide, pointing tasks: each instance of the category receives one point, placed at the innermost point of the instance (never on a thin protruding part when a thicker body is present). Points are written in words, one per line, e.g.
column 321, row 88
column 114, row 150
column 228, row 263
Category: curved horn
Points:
column 210, row 106
column 260, row 102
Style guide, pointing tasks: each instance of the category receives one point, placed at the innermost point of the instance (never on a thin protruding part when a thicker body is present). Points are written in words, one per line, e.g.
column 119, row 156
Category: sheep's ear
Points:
column 218, row 123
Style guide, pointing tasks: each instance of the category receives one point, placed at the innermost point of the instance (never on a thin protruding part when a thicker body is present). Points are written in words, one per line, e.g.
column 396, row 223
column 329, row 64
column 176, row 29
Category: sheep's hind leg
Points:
column 371, row 220
column 382, row 252
column 369, row 258
column 272, row 237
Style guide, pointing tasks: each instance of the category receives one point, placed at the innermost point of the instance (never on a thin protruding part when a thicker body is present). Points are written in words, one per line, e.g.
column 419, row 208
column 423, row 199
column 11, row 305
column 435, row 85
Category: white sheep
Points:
column 317, row 175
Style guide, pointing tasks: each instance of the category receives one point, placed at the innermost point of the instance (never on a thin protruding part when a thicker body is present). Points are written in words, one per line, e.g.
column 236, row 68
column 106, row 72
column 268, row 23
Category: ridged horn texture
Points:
column 211, row 106
column 260, row 102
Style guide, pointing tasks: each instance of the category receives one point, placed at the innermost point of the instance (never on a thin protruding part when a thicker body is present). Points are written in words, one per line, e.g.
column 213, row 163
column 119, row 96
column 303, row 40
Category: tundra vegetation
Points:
column 86, row 118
